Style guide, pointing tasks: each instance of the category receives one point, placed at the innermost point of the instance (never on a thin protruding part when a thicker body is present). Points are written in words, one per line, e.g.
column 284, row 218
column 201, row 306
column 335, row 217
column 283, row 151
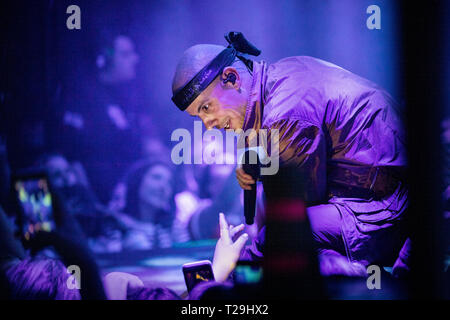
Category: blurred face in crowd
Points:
column 125, row 59
column 61, row 173
column 156, row 187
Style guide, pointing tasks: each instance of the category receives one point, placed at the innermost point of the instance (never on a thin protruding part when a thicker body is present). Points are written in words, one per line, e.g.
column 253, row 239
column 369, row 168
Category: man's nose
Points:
column 209, row 122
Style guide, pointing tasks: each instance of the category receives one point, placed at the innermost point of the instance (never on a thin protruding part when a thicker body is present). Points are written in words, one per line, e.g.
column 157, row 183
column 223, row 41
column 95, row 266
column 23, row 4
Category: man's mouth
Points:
column 227, row 125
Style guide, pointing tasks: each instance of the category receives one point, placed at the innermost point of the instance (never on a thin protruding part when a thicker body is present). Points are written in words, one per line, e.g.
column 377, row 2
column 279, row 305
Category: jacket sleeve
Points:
column 302, row 145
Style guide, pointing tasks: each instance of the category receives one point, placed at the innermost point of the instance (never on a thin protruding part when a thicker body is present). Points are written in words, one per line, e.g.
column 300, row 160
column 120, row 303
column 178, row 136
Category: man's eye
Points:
column 205, row 107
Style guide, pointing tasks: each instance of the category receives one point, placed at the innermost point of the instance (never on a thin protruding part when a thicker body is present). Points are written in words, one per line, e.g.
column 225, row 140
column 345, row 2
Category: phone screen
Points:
column 197, row 272
column 35, row 202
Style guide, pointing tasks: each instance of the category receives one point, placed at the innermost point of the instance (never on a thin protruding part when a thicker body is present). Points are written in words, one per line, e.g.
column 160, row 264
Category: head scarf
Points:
column 238, row 46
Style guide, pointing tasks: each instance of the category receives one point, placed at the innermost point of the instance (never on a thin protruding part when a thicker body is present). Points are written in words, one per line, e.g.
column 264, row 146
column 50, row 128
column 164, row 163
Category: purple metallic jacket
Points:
column 328, row 117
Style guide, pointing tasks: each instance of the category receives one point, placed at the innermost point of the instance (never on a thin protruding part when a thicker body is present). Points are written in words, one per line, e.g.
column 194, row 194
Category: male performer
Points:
column 340, row 131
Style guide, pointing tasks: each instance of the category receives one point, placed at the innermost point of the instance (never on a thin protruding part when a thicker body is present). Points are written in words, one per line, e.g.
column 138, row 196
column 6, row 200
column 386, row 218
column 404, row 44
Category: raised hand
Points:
column 227, row 251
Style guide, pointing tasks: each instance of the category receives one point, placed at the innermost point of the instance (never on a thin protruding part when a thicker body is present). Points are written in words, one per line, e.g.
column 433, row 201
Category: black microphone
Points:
column 252, row 168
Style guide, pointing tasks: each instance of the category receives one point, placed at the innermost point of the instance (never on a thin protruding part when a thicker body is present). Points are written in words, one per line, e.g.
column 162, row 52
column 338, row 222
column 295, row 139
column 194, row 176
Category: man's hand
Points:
column 227, row 252
column 245, row 180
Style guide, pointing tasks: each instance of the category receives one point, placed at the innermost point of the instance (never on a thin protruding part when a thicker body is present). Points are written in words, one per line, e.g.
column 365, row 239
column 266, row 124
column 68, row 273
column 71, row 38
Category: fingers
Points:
column 224, row 232
column 240, row 242
column 234, row 230
column 245, row 180
column 244, row 177
column 135, row 282
column 245, row 186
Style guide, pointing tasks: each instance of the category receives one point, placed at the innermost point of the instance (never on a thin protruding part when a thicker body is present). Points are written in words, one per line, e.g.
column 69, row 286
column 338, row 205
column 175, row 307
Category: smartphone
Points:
column 248, row 272
column 34, row 202
column 196, row 272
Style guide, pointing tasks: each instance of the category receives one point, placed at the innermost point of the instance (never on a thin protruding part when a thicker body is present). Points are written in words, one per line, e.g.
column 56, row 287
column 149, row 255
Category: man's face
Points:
column 156, row 187
column 220, row 106
column 125, row 58
column 61, row 173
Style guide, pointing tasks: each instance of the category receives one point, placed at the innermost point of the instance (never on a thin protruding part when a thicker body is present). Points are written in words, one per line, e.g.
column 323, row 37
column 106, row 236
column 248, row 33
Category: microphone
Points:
column 250, row 195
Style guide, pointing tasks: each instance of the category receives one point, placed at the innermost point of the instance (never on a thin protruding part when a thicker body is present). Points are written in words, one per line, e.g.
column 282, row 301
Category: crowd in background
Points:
column 113, row 188
column 143, row 214
column 107, row 158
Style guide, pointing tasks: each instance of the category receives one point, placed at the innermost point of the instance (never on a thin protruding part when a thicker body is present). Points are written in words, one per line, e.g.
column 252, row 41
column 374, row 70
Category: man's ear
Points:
column 230, row 78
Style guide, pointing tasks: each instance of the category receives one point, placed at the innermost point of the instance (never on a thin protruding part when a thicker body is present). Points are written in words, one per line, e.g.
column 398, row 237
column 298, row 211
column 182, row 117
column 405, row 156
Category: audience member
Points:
column 71, row 184
column 149, row 209
column 99, row 118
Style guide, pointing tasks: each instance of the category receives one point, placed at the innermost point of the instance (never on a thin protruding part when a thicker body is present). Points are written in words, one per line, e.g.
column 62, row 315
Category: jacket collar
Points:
column 255, row 107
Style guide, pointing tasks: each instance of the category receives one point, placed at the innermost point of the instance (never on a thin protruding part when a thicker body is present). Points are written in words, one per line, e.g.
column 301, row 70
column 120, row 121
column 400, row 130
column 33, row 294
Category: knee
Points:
column 325, row 221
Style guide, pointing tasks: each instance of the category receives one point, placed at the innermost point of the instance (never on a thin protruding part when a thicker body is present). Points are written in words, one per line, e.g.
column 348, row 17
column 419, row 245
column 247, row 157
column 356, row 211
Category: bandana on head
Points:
column 237, row 44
